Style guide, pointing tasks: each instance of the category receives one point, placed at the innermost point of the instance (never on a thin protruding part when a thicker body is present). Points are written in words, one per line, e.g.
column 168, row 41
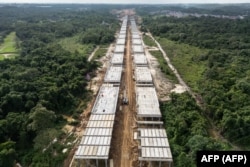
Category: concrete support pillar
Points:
column 97, row 163
column 160, row 164
column 106, row 163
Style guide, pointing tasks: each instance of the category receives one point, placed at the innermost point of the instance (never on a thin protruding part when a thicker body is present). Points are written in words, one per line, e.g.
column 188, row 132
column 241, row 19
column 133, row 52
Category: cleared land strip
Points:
column 153, row 145
column 212, row 130
column 174, row 70
column 95, row 147
column 93, row 54
column 129, row 110
column 8, row 47
column 124, row 150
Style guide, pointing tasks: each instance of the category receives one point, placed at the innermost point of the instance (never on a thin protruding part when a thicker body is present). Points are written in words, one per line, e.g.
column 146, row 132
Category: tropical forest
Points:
column 45, row 71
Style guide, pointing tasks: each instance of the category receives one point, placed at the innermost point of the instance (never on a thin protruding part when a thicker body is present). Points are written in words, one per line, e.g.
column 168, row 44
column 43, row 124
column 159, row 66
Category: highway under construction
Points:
column 125, row 127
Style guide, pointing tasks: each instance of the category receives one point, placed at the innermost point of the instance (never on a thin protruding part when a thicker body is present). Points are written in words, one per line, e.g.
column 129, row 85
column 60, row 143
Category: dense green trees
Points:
column 225, row 89
column 214, row 9
column 187, row 130
column 7, row 153
column 46, row 80
column 205, row 32
column 224, row 85
column 100, row 35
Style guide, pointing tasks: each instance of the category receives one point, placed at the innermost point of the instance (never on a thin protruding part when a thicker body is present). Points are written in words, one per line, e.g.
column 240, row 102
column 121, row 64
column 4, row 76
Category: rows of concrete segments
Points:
column 95, row 144
column 153, row 144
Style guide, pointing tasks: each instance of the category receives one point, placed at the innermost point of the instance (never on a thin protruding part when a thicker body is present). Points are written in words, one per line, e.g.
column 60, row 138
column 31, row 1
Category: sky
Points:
column 126, row 1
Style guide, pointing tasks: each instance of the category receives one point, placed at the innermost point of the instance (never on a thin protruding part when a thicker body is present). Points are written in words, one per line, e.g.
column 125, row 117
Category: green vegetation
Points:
column 148, row 41
column 101, row 51
column 212, row 56
column 186, row 59
column 8, row 55
column 47, row 80
column 210, row 9
column 99, row 35
column 9, row 44
column 72, row 44
column 163, row 66
column 162, row 62
column 9, row 47
column 186, row 129
column 1, row 57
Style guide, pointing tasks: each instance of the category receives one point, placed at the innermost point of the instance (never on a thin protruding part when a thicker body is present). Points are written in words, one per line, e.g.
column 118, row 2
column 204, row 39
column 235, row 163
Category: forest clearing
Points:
column 123, row 86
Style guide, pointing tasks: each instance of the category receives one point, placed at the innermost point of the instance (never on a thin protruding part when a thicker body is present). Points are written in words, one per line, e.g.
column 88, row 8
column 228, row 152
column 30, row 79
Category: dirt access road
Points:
column 174, row 70
column 124, row 148
column 94, row 86
column 213, row 131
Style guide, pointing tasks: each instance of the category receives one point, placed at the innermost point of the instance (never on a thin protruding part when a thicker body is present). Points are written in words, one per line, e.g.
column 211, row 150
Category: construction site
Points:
column 125, row 127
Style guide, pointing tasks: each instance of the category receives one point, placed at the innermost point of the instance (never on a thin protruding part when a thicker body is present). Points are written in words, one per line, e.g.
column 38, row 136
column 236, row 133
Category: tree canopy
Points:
column 45, row 81
column 224, row 84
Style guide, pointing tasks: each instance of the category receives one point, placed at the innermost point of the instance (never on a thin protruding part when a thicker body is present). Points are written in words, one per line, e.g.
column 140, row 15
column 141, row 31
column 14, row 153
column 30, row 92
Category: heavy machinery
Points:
column 125, row 98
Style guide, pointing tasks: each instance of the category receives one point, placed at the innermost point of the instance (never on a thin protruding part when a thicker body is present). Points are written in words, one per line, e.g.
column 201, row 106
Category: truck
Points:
column 124, row 99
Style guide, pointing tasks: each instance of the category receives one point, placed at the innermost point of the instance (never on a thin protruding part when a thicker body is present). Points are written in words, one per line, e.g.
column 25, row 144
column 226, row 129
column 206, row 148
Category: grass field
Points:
column 164, row 66
column 100, row 52
column 72, row 44
column 1, row 57
column 9, row 56
column 8, row 47
column 9, row 44
column 148, row 41
column 186, row 59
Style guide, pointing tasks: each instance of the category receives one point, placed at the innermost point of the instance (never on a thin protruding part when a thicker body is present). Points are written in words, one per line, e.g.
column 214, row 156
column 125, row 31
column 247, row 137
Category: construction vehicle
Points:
column 125, row 98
